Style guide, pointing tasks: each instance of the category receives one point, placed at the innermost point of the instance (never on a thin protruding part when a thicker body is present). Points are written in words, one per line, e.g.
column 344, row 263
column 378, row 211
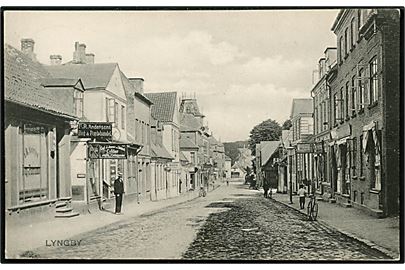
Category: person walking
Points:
column 301, row 193
column 118, row 192
column 266, row 187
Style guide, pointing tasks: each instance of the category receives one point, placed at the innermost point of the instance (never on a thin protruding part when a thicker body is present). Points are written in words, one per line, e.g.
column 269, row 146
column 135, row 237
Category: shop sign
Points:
column 318, row 147
column 107, row 151
column 304, row 148
column 95, row 130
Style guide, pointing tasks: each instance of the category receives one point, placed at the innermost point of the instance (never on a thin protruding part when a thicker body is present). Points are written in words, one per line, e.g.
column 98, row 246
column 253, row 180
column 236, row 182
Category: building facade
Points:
column 365, row 110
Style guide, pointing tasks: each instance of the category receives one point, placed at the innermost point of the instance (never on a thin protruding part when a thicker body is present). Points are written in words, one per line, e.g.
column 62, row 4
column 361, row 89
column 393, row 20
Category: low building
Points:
column 37, row 124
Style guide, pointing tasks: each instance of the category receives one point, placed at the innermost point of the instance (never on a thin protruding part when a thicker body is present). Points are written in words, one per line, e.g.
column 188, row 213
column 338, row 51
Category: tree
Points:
column 287, row 124
column 231, row 149
column 268, row 130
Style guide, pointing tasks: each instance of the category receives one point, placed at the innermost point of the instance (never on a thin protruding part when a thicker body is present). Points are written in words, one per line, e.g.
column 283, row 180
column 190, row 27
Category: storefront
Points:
column 36, row 172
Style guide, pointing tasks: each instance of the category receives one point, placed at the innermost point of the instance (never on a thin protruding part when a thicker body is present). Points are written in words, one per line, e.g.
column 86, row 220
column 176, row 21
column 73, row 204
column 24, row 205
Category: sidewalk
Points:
column 380, row 233
column 28, row 237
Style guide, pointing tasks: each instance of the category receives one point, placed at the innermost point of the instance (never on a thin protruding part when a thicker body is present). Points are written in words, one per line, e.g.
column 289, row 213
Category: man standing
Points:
column 118, row 191
column 301, row 194
column 266, row 187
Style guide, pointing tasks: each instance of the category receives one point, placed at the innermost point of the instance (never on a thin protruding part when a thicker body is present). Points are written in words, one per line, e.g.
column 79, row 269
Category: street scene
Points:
column 202, row 135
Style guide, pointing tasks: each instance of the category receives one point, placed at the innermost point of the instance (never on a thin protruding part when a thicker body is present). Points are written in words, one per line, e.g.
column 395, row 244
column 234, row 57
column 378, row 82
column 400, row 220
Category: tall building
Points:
column 365, row 110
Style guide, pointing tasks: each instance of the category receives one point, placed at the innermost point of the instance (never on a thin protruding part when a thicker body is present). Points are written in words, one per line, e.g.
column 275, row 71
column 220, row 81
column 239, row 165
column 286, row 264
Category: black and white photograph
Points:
column 210, row 134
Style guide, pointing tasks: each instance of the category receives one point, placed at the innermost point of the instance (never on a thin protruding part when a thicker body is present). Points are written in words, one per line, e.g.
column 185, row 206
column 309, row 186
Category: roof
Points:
column 160, row 151
column 213, row 141
column 163, row 106
column 187, row 143
column 92, row 75
column 267, row 149
column 188, row 122
column 190, row 106
column 129, row 88
column 60, row 82
column 301, row 106
column 183, row 157
column 22, row 84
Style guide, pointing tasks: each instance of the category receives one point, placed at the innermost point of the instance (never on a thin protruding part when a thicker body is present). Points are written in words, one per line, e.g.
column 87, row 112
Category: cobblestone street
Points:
column 230, row 223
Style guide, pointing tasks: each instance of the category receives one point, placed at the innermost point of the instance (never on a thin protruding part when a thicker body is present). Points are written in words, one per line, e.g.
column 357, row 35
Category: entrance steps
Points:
column 63, row 210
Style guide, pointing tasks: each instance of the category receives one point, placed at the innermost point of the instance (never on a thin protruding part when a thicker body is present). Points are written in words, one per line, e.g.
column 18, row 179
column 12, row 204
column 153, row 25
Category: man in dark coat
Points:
column 266, row 187
column 118, row 191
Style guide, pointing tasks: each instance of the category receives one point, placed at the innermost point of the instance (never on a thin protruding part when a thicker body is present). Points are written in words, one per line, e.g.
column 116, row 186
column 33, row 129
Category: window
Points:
column 122, row 116
column 116, row 113
column 373, row 80
column 361, row 156
column 347, row 43
column 341, row 49
column 110, row 109
column 336, row 108
column 347, row 107
column 342, row 104
column 353, row 32
column 354, row 96
column 354, row 155
column 361, row 89
column 325, row 117
column 78, row 103
column 192, row 157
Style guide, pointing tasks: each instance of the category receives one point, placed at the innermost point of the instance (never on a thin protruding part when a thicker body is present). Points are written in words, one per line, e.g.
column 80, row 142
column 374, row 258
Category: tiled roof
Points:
column 22, row 84
column 92, row 75
column 187, row 143
column 160, row 151
column 268, row 148
column 301, row 106
column 189, row 122
column 163, row 105
column 60, row 82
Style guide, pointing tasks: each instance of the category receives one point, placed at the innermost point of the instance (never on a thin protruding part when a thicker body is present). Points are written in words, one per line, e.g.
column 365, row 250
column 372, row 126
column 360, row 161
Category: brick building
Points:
column 364, row 102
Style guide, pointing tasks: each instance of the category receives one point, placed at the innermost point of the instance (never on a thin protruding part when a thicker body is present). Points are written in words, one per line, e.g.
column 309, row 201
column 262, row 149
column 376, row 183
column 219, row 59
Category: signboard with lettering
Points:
column 304, row 148
column 318, row 147
column 107, row 151
column 95, row 130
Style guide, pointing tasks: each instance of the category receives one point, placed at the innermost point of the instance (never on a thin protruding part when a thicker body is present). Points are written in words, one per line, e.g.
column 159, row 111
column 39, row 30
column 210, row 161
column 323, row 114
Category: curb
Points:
column 393, row 255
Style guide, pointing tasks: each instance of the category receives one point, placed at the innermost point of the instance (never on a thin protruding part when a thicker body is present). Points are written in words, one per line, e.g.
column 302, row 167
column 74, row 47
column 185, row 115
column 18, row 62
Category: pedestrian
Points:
column 118, row 192
column 266, row 188
column 301, row 194
column 227, row 182
column 180, row 182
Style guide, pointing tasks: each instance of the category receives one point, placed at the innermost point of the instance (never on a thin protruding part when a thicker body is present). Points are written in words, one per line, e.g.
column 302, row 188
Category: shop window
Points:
column 36, row 154
column 373, row 81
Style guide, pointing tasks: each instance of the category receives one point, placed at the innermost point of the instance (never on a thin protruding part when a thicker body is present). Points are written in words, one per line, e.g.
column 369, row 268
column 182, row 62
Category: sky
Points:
column 243, row 66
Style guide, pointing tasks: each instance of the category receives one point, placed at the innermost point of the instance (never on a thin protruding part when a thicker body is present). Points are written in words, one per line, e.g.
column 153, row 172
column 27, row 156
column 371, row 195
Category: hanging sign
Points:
column 99, row 131
column 107, row 151
column 304, row 148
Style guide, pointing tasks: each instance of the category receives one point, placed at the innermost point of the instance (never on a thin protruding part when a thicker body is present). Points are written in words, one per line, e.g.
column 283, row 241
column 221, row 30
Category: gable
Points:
column 115, row 85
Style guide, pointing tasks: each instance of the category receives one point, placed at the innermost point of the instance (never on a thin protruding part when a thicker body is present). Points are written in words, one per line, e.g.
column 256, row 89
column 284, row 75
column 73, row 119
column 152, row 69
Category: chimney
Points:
column 137, row 83
column 27, row 47
column 79, row 55
column 330, row 56
column 56, row 59
column 89, row 58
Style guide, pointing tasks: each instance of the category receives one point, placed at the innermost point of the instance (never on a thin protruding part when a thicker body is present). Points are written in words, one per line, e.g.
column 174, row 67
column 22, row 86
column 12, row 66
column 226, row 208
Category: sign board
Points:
column 107, row 151
column 304, row 148
column 95, row 130
column 318, row 147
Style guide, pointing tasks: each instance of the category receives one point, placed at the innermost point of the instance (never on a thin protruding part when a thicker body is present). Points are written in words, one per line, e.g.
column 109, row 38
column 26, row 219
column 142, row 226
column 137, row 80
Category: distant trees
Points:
column 268, row 130
column 286, row 125
column 231, row 149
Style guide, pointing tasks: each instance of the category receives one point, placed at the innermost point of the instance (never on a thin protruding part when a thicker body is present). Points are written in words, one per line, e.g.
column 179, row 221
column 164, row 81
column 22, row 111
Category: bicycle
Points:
column 312, row 209
column 202, row 192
